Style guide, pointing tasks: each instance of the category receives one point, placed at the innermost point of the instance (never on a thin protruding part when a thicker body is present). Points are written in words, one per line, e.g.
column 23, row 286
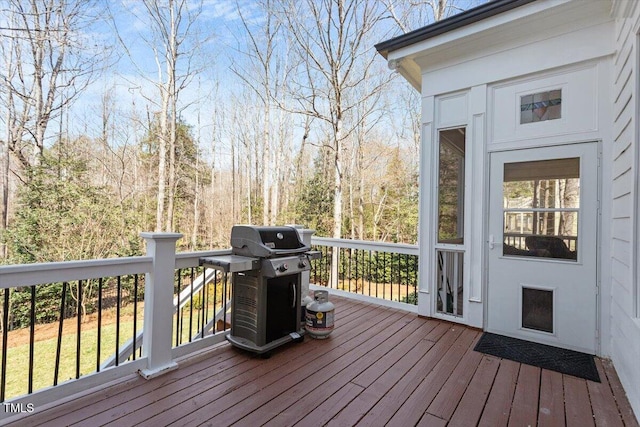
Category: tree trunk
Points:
column 337, row 201
column 162, row 162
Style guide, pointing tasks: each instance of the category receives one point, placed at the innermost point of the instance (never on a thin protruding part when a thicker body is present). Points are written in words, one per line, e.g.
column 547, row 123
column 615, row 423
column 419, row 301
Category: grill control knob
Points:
column 283, row 267
column 301, row 264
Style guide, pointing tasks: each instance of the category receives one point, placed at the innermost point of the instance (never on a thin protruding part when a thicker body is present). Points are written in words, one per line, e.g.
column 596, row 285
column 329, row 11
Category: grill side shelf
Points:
column 231, row 263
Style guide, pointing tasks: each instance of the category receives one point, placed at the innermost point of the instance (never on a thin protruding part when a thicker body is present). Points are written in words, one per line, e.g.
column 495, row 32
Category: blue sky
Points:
column 131, row 81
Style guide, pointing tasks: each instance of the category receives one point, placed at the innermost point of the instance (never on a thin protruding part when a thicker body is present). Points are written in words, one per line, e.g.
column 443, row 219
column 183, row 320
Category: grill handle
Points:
column 293, row 286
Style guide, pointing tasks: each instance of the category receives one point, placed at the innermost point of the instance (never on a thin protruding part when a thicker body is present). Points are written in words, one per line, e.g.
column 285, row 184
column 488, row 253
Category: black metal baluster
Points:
column 323, row 263
column 399, row 273
column 119, row 302
column 205, row 302
column 224, row 313
column 340, row 257
column 357, row 271
column 384, row 274
column 5, row 336
column 79, row 329
column 60, row 329
column 31, row 336
column 215, row 300
column 178, row 312
column 200, row 316
column 135, row 316
column 190, row 308
column 360, row 269
column 369, row 273
column 406, row 263
column 376, row 272
column 348, row 272
column 99, row 343
column 391, row 277
column 363, row 266
column 327, row 265
column 180, row 309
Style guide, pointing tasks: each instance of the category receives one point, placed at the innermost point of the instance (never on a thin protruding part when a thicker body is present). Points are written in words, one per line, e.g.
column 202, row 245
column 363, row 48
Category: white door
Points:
column 543, row 222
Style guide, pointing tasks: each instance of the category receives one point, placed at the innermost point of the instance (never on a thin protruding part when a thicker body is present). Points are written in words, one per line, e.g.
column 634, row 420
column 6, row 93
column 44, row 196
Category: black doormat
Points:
column 543, row 356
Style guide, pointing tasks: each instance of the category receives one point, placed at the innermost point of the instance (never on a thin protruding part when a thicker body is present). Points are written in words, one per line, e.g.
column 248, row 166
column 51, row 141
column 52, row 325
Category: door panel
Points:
column 542, row 253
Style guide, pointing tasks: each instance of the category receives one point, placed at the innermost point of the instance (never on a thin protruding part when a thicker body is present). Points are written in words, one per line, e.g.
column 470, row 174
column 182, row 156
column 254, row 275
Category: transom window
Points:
column 541, row 106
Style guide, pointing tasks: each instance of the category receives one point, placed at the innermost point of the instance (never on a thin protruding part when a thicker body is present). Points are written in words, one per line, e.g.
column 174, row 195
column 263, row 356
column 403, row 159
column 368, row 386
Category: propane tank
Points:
column 303, row 310
column 320, row 315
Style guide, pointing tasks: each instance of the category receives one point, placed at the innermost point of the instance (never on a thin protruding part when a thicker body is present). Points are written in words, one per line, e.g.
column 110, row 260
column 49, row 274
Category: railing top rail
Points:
column 65, row 271
column 400, row 248
column 560, row 236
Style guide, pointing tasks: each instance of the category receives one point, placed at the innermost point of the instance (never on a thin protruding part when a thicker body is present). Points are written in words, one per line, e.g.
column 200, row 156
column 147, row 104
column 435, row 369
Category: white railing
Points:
column 384, row 272
column 180, row 301
column 367, row 269
column 517, row 240
column 160, row 307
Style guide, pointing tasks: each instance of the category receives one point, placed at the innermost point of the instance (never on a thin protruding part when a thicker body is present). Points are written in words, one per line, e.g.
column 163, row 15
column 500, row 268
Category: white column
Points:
column 427, row 211
column 158, row 304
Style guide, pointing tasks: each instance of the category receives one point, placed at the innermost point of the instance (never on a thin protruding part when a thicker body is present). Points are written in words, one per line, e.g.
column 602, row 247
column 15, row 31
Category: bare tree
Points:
column 52, row 64
column 174, row 42
column 264, row 69
column 332, row 39
column 410, row 15
column 48, row 62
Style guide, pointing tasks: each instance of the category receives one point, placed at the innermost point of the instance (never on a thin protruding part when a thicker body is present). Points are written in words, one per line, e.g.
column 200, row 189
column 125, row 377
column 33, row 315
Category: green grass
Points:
column 45, row 356
column 45, row 350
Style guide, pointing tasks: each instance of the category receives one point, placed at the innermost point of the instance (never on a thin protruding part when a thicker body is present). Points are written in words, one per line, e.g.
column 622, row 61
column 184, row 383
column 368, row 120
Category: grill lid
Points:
column 266, row 242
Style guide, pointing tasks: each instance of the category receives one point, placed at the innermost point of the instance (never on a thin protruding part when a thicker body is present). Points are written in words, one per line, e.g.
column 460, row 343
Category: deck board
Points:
column 278, row 369
column 473, row 401
column 416, row 404
column 524, row 409
column 451, row 392
column 498, row 407
column 329, row 380
column 605, row 411
column 576, row 401
column 379, row 366
column 387, row 406
column 621, row 399
column 320, row 381
column 550, row 412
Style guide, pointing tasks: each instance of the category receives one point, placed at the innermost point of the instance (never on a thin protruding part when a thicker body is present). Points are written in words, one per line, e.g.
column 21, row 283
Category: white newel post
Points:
column 158, row 303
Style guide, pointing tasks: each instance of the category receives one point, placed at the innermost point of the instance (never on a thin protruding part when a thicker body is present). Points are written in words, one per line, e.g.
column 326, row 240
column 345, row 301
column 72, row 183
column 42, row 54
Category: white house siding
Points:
column 625, row 325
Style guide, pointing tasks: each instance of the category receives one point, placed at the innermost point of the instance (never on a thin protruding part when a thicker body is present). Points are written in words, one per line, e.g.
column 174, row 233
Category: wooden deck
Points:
column 379, row 367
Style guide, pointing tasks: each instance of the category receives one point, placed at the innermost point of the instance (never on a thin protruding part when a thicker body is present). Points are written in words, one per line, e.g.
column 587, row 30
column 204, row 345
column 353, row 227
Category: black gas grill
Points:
column 266, row 263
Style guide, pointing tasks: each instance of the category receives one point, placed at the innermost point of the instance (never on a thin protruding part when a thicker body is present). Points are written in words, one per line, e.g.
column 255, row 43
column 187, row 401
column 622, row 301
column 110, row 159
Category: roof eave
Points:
column 462, row 19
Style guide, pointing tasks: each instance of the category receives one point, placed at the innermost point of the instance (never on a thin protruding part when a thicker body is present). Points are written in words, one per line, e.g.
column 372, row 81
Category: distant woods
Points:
column 118, row 119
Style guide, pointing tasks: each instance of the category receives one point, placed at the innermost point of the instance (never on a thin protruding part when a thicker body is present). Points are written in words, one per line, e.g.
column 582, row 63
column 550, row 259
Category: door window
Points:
column 541, row 202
